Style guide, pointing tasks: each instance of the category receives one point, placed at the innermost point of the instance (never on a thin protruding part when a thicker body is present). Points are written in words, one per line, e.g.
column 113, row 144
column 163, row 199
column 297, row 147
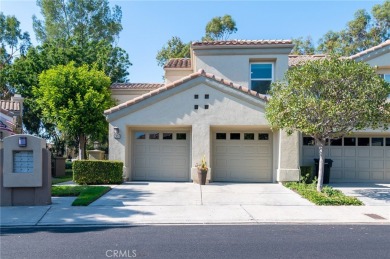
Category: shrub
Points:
column 328, row 196
column 97, row 172
column 68, row 164
column 306, row 174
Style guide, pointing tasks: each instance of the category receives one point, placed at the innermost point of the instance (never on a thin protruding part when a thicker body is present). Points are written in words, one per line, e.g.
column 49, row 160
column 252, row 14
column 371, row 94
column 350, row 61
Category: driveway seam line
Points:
column 39, row 220
column 250, row 215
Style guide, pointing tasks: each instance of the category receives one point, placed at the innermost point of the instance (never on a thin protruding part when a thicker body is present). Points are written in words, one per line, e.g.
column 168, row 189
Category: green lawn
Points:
column 328, row 196
column 66, row 178
column 85, row 194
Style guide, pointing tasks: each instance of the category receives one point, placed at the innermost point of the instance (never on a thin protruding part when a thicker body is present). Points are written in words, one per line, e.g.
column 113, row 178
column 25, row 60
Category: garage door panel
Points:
column 234, row 150
column 363, row 152
column 153, row 149
column 245, row 160
column 363, row 164
column 377, row 152
column 349, row 174
column 337, row 173
column 349, row 152
column 309, row 152
column 161, row 159
column 336, row 152
column 362, row 175
column 377, row 175
column 388, row 164
column 337, row 163
column 355, row 163
column 349, row 163
column 250, row 150
column 140, row 149
column 377, row 164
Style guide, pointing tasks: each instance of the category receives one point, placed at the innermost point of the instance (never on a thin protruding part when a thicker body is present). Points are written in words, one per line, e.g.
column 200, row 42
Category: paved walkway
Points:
column 188, row 203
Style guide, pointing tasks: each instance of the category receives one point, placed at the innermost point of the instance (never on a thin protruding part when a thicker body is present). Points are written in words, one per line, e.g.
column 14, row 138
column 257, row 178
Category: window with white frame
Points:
column 261, row 77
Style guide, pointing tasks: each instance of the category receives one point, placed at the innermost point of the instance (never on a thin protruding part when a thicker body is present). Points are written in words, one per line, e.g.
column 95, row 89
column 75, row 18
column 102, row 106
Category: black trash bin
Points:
column 327, row 166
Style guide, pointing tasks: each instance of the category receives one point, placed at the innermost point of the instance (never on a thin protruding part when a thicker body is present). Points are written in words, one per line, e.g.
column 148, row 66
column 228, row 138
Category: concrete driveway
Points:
column 188, row 203
column 371, row 194
column 174, row 194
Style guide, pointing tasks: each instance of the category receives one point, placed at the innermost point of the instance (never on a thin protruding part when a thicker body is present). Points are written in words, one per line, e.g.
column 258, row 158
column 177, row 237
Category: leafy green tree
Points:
column 74, row 99
column 90, row 27
column 81, row 20
column 174, row 48
column 220, row 28
column 328, row 99
column 13, row 42
column 82, row 31
column 363, row 32
column 303, row 46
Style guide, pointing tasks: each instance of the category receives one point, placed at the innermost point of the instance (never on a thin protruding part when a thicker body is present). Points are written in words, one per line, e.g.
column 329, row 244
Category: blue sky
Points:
column 148, row 25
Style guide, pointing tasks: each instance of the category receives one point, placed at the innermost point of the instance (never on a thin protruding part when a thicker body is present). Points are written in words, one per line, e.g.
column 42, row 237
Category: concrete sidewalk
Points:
column 136, row 203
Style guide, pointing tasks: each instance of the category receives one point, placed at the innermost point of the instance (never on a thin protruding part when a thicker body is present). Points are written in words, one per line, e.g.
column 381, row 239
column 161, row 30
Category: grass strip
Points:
column 327, row 197
column 85, row 194
column 61, row 179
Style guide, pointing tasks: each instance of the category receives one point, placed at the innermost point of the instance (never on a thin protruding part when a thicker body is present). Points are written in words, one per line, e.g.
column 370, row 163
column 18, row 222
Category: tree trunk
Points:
column 321, row 164
column 81, row 146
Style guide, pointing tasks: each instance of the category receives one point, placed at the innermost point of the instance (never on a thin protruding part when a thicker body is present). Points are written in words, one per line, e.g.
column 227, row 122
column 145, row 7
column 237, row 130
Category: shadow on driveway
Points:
column 369, row 193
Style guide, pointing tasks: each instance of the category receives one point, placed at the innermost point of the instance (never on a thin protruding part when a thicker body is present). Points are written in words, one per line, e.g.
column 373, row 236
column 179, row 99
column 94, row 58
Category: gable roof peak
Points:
column 199, row 73
column 370, row 50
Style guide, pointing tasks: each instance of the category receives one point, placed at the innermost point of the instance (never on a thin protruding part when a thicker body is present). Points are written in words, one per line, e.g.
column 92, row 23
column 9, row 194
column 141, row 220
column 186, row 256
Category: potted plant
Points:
column 202, row 171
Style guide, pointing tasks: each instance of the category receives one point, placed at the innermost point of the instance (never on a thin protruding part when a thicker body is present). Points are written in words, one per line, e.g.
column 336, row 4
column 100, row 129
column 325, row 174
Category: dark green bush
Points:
column 307, row 174
column 68, row 164
column 97, row 172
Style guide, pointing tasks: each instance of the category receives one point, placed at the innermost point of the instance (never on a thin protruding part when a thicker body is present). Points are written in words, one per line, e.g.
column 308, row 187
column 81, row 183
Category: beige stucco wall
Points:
column 172, row 75
column 175, row 108
column 10, row 146
column 124, row 95
column 234, row 64
column 289, row 162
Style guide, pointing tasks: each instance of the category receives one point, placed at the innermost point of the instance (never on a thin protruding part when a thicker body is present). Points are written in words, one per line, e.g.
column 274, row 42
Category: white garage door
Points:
column 355, row 159
column 161, row 156
column 242, row 156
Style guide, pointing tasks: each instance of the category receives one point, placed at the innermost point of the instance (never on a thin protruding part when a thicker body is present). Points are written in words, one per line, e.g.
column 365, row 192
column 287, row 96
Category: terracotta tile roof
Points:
column 200, row 73
column 367, row 51
column 294, row 60
column 136, row 86
column 9, row 105
column 241, row 42
column 178, row 63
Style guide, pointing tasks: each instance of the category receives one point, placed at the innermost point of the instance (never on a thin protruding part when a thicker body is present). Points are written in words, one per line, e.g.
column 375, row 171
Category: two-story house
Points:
column 213, row 105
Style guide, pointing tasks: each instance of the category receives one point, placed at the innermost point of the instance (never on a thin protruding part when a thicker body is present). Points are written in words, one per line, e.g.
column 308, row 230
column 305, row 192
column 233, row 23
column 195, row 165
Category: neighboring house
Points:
column 213, row 105
column 11, row 116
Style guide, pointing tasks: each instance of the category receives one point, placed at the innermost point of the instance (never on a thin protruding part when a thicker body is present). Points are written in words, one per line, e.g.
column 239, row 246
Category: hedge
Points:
column 307, row 175
column 97, row 172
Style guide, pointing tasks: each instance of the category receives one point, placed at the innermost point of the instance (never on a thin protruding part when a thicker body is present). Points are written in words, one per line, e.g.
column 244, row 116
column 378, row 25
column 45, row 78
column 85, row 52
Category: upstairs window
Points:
column 261, row 77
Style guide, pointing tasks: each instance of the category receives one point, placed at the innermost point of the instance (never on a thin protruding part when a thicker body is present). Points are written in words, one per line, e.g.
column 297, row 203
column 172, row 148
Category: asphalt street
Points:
column 198, row 241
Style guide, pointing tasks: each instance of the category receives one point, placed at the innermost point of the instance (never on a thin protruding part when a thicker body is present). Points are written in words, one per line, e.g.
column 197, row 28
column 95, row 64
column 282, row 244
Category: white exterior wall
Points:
column 383, row 60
